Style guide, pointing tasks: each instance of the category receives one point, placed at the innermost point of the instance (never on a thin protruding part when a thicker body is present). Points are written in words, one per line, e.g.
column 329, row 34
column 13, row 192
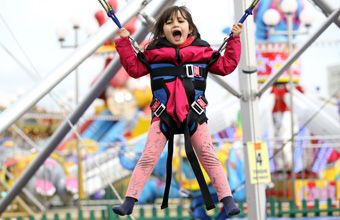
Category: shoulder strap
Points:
column 142, row 58
column 213, row 58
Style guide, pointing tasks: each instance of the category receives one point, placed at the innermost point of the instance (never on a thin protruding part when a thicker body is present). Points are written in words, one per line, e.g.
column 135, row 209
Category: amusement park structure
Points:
column 275, row 116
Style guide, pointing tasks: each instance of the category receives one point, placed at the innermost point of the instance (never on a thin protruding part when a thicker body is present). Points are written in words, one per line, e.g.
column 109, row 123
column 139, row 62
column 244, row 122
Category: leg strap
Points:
column 169, row 133
column 168, row 172
column 197, row 169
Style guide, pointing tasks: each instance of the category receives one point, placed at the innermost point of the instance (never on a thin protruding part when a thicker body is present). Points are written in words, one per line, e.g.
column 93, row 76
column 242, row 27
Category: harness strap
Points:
column 168, row 171
column 196, row 168
column 191, row 118
column 190, row 91
column 142, row 58
column 159, row 84
column 190, row 155
column 213, row 58
column 168, row 127
column 189, row 71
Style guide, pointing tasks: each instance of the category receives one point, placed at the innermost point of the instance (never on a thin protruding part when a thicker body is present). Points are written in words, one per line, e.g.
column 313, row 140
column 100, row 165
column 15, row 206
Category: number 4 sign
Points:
column 258, row 162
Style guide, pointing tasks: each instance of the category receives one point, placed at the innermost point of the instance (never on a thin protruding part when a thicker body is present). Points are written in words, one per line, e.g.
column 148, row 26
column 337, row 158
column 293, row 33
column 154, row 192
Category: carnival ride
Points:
column 116, row 144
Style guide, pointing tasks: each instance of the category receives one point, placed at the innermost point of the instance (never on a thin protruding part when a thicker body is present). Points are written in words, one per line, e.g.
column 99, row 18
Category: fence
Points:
column 149, row 212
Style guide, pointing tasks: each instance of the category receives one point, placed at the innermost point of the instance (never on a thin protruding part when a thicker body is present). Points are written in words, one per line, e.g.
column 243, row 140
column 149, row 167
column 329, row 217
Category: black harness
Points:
column 193, row 77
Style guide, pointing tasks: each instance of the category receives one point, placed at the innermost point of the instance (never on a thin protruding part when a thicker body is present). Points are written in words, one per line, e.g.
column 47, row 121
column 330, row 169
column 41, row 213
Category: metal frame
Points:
column 98, row 88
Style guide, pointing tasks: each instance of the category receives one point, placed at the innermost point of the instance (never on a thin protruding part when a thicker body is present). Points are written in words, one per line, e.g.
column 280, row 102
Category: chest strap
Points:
column 159, row 84
column 186, row 71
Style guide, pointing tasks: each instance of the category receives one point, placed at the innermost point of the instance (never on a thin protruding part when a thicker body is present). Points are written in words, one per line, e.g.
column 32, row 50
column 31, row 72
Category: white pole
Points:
column 256, row 201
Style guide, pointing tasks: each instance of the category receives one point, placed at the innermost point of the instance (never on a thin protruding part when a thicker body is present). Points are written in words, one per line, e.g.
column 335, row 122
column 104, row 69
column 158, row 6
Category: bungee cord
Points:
column 111, row 13
column 247, row 12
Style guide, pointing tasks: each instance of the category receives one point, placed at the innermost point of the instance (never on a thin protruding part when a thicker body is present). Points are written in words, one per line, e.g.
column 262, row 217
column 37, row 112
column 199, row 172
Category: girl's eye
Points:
column 168, row 22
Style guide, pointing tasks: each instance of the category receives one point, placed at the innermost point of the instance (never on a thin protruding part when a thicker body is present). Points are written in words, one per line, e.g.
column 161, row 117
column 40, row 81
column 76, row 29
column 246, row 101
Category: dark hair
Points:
column 168, row 13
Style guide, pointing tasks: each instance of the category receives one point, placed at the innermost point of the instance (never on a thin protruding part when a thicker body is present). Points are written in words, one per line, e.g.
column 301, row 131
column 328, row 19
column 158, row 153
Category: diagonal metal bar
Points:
column 225, row 85
column 298, row 52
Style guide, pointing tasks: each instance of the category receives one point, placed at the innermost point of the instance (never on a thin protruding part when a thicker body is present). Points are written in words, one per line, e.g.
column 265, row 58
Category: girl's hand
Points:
column 236, row 29
column 123, row 32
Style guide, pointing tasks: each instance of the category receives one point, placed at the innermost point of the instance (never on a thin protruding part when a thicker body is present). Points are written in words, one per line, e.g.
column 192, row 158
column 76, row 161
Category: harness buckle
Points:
column 189, row 69
column 197, row 108
column 160, row 110
column 158, row 107
column 199, row 105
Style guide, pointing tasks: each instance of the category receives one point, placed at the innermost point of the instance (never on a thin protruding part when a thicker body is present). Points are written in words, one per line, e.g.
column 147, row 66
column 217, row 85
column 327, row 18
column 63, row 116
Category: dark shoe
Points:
column 126, row 208
column 229, row 206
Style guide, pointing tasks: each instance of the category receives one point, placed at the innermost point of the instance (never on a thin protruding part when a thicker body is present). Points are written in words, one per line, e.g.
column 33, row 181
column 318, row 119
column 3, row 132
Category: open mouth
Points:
column 177, row 34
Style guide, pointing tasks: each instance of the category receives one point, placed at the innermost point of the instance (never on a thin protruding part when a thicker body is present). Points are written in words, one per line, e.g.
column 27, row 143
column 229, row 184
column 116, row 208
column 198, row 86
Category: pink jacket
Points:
column 192, row 51
column 225, row 65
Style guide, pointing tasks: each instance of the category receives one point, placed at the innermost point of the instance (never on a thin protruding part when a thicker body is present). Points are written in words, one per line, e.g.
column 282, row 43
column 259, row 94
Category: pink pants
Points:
column 205, row 151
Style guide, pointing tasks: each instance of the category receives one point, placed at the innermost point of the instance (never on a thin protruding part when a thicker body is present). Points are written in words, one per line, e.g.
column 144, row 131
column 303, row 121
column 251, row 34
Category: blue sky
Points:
column 28, row 31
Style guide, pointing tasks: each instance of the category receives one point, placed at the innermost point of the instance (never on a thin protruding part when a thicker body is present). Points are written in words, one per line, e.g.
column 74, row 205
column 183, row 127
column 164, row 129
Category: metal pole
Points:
column 81, row 191
column 11, row 114
column 291, row 88
column 225, row 85
column 256, row 199
column 76, row 101
column 298, row 52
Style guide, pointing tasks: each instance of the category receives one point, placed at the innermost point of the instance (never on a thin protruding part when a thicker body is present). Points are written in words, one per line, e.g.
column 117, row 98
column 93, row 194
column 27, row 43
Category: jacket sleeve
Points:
column 227, row 63
column 133, row 66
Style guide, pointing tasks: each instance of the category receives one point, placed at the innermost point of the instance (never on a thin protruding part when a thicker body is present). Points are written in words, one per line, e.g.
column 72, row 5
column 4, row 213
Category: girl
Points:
column 178, row 62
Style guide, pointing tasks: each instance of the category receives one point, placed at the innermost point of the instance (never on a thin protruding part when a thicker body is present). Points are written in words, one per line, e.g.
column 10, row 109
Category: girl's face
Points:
column 176, row 29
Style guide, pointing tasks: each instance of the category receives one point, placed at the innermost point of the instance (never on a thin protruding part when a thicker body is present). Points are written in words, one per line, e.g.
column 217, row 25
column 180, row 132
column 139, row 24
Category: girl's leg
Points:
column 206, row 153
column 153, row 148
column 202, row 143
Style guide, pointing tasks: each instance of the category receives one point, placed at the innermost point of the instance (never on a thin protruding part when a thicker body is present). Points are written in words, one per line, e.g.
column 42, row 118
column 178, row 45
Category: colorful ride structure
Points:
column 295, row 116
column 51, row 183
